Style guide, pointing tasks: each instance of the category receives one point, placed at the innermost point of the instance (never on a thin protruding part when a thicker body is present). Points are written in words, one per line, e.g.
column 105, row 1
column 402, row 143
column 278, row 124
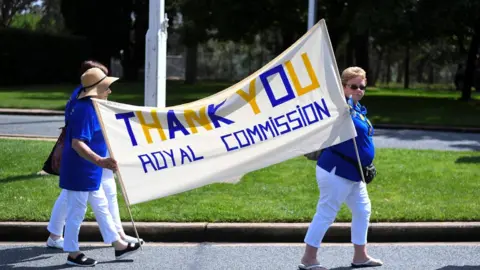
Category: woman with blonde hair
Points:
column 340, row 180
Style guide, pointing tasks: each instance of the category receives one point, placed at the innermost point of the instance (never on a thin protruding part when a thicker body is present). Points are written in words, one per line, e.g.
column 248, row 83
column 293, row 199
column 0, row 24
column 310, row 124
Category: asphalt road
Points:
column 440, row 256
column 413, row 139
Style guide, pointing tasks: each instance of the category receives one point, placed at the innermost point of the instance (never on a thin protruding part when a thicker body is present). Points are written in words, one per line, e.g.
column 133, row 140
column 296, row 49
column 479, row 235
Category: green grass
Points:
column 385, row 106
column 412, row 185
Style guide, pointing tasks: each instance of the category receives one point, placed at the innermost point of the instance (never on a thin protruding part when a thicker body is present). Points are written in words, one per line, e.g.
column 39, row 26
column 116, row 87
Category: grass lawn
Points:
column 385, row 106
column 412, row 185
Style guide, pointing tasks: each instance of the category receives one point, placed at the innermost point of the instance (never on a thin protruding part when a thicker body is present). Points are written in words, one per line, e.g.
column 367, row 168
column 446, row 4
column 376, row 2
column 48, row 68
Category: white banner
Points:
column 292, row 106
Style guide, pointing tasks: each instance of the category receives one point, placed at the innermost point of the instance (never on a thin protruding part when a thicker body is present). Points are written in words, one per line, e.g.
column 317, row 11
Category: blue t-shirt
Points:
column 77, row 173
column 366, row 150
column 71, row 102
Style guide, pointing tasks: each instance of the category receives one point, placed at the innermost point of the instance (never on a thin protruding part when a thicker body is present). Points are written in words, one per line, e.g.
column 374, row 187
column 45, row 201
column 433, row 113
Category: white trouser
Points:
column 334, row 191
column 77, row 206
column 59, row 211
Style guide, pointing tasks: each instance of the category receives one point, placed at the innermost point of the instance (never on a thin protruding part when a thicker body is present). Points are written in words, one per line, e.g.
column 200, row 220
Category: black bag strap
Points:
column 346, row 158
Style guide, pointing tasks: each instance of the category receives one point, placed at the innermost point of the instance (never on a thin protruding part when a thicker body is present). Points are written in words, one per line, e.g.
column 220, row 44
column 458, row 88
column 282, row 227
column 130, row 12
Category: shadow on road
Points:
column 12, row 256
column 465, row 267
column 413, row 135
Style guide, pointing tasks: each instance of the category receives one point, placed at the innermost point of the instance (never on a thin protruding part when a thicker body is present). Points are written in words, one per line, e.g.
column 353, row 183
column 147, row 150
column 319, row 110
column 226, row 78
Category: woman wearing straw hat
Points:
column 59, row 211
column 340, row 180
column 83, row 158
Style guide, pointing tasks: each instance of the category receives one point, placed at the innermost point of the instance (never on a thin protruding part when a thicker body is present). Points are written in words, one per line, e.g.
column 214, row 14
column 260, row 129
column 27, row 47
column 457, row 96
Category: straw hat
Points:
column 95, row 82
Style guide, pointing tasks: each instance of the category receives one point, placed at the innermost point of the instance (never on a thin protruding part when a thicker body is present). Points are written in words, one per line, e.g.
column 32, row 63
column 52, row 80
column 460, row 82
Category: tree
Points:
column 10, row 8
column 105, row 23
column 52, row 19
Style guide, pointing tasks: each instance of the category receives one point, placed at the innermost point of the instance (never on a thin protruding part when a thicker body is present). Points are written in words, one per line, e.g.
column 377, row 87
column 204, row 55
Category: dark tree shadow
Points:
column 12, row 256
column 471, row 147
column 470, row 159
column 20, row 177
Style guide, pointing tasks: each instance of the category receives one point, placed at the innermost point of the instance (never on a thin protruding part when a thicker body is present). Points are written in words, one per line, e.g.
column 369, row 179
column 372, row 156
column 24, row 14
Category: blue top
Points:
column 71, row 102
column 366, row 150
column 77, row 173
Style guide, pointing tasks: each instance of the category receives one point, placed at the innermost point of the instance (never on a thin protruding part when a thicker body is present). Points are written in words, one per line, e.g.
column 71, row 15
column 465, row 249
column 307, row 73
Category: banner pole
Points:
column 119, row 176
column 358, row 159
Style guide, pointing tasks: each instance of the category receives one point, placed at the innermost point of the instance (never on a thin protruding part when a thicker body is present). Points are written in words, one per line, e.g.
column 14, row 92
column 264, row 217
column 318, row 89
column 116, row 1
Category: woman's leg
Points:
column 99, row 204
column 333, row 191
column 77, row 206
column 110, row 188
column 58, row 216
column 359, row 203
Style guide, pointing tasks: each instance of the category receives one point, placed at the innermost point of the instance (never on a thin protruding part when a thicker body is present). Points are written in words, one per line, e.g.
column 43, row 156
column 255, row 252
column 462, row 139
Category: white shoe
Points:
column 55, row 243
column 133, row 240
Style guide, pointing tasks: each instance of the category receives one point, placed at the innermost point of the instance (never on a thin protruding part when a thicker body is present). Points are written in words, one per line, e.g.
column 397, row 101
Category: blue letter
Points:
column 212, row 109
column 174, row 125
column 193, row 154
column 320, row 109
column 264, row 78
column 184, row 154
column 145, row 162
column 165, row 165
column 125, row 117
column 226, row 144
column 238, row 139
column 304, row 109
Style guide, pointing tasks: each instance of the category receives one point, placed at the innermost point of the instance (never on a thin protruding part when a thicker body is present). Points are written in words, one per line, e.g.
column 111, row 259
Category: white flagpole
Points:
column 119, row 176
column 156, row 55
column 311, row 13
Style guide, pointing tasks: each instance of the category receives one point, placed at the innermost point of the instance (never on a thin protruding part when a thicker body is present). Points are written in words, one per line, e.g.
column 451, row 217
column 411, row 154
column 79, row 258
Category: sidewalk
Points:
column 41, row 112
column 257, row 232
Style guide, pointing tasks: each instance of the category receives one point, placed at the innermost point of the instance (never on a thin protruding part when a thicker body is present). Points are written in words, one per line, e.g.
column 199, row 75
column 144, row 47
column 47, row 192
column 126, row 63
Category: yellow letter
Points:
column 311, row 73
column 202, row 119
column 147, row 126
column 250, row 97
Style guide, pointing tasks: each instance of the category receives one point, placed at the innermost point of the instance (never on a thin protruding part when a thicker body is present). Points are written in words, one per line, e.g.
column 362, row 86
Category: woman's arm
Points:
column 85, row 152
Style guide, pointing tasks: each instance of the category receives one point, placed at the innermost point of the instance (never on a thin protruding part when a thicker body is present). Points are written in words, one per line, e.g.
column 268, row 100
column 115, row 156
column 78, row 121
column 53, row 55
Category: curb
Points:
column 28, row 137
column 30, row 112
column 429, row 128
column 257, row 232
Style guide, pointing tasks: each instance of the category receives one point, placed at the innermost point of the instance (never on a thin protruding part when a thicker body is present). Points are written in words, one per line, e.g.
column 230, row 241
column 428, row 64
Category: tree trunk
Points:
column 406, row 81
column 361, row 53
column 420, row 68
column 191, row 64
column 377, row 68
column 431, row 75
column 350, row 46
column 400, row 71
column 472, row 54
column 388, row 75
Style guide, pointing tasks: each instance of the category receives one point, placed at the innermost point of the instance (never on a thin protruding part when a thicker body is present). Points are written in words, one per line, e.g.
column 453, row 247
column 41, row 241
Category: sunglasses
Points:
column 355, row 87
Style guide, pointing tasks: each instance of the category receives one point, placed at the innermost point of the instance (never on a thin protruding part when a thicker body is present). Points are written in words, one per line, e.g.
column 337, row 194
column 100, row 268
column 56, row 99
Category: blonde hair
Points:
column 353, row 72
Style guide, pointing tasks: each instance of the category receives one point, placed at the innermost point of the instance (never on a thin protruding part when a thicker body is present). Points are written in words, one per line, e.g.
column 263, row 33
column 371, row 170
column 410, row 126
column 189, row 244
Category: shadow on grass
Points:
column 12, row 256
column 20, row 178
column 470, row 159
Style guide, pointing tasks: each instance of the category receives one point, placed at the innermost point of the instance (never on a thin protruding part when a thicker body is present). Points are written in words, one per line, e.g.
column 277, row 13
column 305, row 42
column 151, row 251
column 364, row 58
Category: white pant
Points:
column 59, row 211
column 334, row 191
column 77, row 206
